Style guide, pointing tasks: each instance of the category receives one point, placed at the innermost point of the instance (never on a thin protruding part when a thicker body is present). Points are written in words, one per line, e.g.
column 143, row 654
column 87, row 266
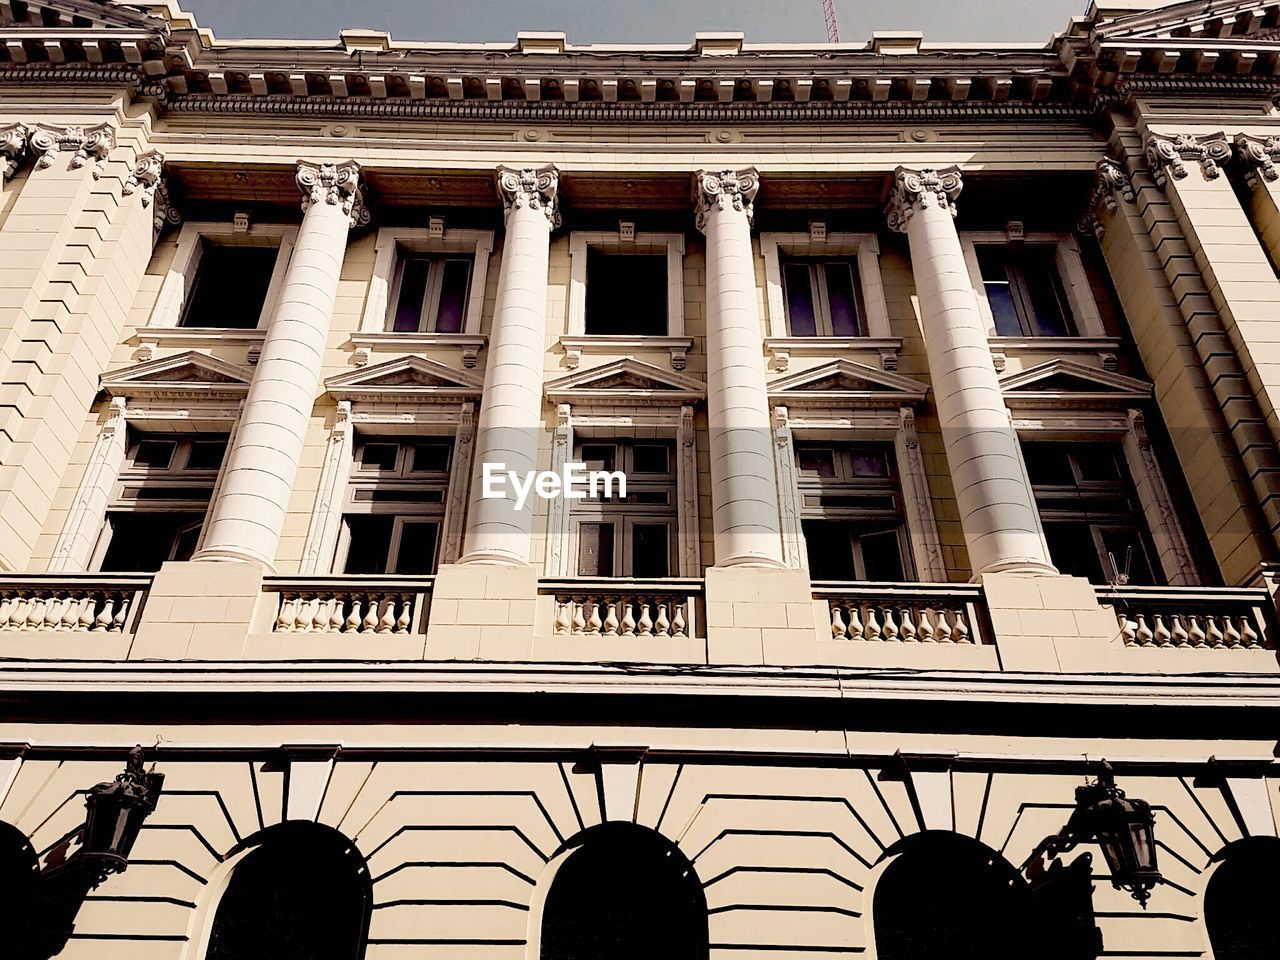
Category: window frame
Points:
column 383, row 292
column 862, row 248
column 670, row 245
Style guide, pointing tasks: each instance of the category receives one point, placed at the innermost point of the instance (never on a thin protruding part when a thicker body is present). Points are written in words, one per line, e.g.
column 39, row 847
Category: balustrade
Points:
column 354, row 605
column 88, row 604
column 1195, row 617
column 665, row 609
column 905, row 613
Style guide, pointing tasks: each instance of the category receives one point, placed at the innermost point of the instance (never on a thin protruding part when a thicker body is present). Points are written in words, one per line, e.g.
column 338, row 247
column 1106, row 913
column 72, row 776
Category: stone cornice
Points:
column 530, row 188
column 724, row 190
column 914, row 189
column 1258, row 156
column 1165, row 155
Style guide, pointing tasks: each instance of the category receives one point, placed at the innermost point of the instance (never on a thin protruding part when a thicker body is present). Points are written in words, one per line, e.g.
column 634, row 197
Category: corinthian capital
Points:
column 1258, row 156
column 335, row 184
column 919, row 189
column 1165, row 155
column 725, row 190
column 13, row 147
column 87, row 145
column 530, row 188
column 1110, row 181
column 145, row 176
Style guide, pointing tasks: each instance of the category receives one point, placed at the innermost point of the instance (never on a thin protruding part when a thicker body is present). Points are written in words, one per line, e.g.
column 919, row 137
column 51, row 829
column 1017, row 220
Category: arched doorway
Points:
column 1240, row 901
column 624, row 893
column 302, row 893
column 946, row 896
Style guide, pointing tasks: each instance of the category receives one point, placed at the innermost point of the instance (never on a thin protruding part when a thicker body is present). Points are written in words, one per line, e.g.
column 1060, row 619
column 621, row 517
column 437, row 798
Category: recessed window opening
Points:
column 631, row 536
column 230, row 285
column 823, row 297
column 626, row 294
column 1025, row 291
column 429, row 293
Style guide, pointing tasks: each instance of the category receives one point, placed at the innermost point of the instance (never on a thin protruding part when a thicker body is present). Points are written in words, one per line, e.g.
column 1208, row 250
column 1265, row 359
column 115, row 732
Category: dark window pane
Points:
column 626, row 294
column 417, row 551
column 865, row 463
column 651, row 458
column 1048, row 463
column 413, row 289
column 456, row 275
column 1097, row 462
column 140, row 542
column 842, row 299
column 650, row 550
column 207, row 454
column 599, row 456
column 155, row 454
column 1073, row 552
column 184, row 544
column 801, row 316
column 430, row 457
column 830, row 550
column 595, row 549
column 1127, row 553
column 230, row 286
column 379, row 456
column 993, row 262
column 1044, row 288
column 369, row 544
column 882, row 556
column 816, row 461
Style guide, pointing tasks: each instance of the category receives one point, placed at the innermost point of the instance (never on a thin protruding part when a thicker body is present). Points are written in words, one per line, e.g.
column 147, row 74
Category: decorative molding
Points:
column 164, row 213
column 1258, row 156
column 531, row 188
column 189, row 375
column 725, row 189
column 406, row 380
column 689, row 537
column 789, row 497
column 846, row 383
column 86, row 144
column 1173, row 553
column 145, row 176
column 921, row 188
column 575, row 347
column 13, row 148
column 1165, row 155
column 326, row 519
column 1111, row 181
column 922, row 524
column 337, row 184
column 625, row 381
column 74, row 549
column 863, row 248
column 559, row 562
column 670, row 245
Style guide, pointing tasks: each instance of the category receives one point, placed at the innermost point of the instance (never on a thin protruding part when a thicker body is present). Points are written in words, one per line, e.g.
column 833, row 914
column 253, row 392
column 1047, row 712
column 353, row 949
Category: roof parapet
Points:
column 533, row 41
column 360, row 40
column 896, row 42
column 718, row 44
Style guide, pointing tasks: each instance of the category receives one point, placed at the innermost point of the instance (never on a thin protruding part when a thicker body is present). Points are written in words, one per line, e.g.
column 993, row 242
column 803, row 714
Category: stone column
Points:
column 248, row 515
column 744, row 494
column 510, row 421
column 997, row 508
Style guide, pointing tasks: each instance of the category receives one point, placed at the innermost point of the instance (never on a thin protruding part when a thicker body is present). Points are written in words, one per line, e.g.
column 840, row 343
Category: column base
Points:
column 232, row 556
column 492, row 558
column 203, row 611
column 482, row 610
column 1048, row 624
column 758, row 614
column 1025, row 566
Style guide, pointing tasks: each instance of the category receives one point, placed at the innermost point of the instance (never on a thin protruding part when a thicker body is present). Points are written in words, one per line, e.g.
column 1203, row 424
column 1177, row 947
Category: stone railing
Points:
column 662, row 609
column 1206, row 617
column 350, row 604
column 86, row 603
column 904, row 612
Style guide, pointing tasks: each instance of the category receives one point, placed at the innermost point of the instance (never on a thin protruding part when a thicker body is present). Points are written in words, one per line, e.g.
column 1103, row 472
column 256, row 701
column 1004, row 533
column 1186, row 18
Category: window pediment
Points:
column 625, row 381
column 1074, row 384
column 188, row 374
column 411, row 378
column 846, row 383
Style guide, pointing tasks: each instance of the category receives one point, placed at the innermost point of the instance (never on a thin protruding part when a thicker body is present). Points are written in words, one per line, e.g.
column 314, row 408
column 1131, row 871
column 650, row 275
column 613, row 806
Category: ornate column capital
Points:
column 13, row 147
column 1165, row 155
column 530, row 188
column 725, row 190
column 87, row 145
column 1258, row 156
column 1111, row 186
column 335, row 184
column 914, row 189
column 145, row 176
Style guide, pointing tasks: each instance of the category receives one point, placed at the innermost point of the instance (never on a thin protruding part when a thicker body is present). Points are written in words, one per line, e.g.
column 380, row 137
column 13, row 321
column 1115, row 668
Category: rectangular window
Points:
column 823, row 298
column 160, row 501
column 1090, row 515
column 626, row 294
column 230, row 285
column 851, row 512
column 395, row 506
column 632, row 536
column 429, row 293
column 1024, row 290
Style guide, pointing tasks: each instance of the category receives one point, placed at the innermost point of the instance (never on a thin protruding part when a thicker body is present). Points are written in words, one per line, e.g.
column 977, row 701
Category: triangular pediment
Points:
column 1216, row 20
column 1069, row 381
column 191, row 372
column 846, row 383
column 625, row 380
column 405, row 379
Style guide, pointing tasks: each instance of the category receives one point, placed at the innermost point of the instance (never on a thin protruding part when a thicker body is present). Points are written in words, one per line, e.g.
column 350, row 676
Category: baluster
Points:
column 35, row 615
column 628, row 628
column 1248, row 636
column 594, row 623
column 370, row 622
column 7, row 604
column 1128, row 630
column 960, row 632
column 927, row 616
column 872, row 624
column 337, row 614
column 84, row 622
column 838, row 627
column 354, row 618
column 118, row 621
column 644, row 626
column 662, row 626
column 1231, row 636
column 890, row 628
column 308, row 611
column 611, row 619
column 107, row 613
column 908, row 626
column 68, row 613
column 52, row 614
column 388, row 621
column 1163, row 635
column 856, row 630
column 405, row 620
column 678, row 622
column 1213, row 635
column 563, row 617
column 944, row 627
column 287, row 615
column 1196, row 634
column 1145, row 634
column 579, row 621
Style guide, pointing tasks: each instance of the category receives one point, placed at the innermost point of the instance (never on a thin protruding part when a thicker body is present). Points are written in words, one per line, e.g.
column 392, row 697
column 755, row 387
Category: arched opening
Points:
column 624, row 893
column 19, row 873
column 303, row 893
column 945, row 896
column 1240, row 901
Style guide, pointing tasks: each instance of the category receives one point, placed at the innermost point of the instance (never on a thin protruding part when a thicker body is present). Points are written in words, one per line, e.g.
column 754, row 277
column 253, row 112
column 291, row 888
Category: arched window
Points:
column 1240, row 902
column 946, row 896
column 625, row 893
column 19, row 871
column 302, row 894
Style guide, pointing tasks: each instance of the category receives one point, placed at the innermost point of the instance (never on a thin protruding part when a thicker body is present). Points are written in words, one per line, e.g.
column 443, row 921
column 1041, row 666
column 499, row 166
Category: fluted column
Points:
column 744, row 494
column 262, row 463
column 997, row 508
column 511, row 408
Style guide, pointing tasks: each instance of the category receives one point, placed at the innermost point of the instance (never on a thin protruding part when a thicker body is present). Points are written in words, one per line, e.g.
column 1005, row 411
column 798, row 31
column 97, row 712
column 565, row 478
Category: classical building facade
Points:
column 945, row 385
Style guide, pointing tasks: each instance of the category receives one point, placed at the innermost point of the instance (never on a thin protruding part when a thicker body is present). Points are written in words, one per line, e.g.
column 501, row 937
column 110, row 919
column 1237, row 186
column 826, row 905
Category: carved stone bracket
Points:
column 87, row 145
column 530, row 188
column 13, row 147
column 145, row 177
column 919, row 189
column 1166, row 155
column 163, row 212
column 1111, row 186
column 1258, row 156
column 336, row 184
column 725, row 190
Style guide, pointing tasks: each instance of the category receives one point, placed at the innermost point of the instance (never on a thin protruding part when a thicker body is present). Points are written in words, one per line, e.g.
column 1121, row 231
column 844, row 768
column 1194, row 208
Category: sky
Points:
column 627, row 21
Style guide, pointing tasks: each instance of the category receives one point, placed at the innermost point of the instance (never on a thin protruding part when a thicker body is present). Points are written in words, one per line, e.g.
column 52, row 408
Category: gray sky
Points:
column 602, row 21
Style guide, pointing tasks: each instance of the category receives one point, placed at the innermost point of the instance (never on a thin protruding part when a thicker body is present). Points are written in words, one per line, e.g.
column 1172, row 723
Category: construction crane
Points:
column 833, row 28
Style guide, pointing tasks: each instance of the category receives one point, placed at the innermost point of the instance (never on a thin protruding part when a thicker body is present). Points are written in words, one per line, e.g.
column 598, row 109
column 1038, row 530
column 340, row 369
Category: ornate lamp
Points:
column 116, row 810
column 1123, row 828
